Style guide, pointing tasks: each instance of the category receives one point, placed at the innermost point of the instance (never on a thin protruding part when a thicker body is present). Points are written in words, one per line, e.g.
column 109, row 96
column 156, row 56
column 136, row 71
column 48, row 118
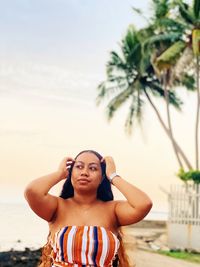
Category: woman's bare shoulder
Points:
column 109, row 204
column 63, row 200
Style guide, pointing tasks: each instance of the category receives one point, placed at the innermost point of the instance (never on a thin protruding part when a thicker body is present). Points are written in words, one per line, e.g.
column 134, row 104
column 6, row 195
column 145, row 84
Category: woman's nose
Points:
column 84, row 171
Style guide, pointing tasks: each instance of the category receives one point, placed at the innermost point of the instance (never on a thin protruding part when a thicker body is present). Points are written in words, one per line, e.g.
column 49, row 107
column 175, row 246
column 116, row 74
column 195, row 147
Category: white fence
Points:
column 184, row 217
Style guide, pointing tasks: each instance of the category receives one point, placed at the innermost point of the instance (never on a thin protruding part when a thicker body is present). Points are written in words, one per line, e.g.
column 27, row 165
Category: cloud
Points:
column 46, row 81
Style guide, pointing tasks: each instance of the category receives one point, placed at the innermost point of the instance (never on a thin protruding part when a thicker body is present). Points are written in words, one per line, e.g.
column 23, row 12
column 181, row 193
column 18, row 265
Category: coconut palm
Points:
column 159, row 42
column 180, row 54
column 131, row 77
column 167, row 33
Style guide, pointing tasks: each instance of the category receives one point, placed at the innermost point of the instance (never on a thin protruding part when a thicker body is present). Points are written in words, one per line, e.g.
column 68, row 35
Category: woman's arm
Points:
column 36, row 193
column 138, row 204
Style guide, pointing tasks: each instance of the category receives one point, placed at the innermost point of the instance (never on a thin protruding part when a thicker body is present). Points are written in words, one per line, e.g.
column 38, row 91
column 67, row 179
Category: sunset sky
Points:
column 52, row 57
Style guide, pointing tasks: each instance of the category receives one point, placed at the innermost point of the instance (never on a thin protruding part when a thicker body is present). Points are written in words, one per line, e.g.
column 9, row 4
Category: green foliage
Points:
column 186, row 12
column 169, row 57
column 157, row 40
column 118, row 101
column 161, row 8
column 131, row 46
column 192, row 175
column 188, row 81
column 133, row 72
column 196, row 8
column 167, row 23
column 184, row 255
column 174, row 100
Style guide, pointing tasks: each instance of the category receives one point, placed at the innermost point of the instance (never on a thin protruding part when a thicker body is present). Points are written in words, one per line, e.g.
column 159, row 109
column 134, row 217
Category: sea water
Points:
column 20, row 227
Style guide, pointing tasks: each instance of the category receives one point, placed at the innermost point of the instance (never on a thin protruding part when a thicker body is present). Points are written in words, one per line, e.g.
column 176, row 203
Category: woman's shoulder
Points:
column 109, row 204
column 63, row 201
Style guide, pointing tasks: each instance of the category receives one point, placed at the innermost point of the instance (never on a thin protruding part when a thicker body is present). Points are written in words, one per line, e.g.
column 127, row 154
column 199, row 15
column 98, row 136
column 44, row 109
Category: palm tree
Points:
column 160, row 22
column 167, row 33
column 131, row 77
column 181, row 52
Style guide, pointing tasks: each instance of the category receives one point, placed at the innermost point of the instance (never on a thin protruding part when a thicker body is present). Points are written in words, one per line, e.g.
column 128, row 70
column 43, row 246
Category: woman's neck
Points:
column 84, row 199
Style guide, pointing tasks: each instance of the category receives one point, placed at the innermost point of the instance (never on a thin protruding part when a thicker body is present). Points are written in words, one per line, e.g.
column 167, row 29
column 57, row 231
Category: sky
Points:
column 52, row 57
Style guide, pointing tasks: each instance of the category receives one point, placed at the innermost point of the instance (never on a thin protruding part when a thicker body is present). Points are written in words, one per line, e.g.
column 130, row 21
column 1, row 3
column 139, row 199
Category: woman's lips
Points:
column 83, row 180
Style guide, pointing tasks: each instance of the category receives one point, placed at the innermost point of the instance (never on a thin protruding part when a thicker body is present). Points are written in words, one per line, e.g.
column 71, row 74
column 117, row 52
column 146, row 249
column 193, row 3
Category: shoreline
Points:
column 141, row 240
column 30, row 257
column 19, row 245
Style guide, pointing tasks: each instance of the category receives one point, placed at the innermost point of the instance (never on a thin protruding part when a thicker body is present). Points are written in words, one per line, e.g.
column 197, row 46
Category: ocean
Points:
column 20, row 227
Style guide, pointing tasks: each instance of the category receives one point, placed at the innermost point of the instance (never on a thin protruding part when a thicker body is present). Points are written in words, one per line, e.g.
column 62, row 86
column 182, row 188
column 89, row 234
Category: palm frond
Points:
column 140, row 13
column 174, row 100
column 139, row 105
column 169, row 56
column 130, row 118
column 145, row 33
column 106, row 89
column 115, row 62
column 118, row 101
column 188, row 81
column 157, row 90
column 137, row 10
column 161, row 38
column 169, row 25
column 135, row 111
column 116, row 79
column 145, row 64
column 161, row 8
column 185, row 12
column 196, row 8
column 131, row 46
column 101, row 92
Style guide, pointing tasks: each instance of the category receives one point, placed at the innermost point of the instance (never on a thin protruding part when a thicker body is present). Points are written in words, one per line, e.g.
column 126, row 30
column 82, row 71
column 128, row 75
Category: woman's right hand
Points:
column 64, row 166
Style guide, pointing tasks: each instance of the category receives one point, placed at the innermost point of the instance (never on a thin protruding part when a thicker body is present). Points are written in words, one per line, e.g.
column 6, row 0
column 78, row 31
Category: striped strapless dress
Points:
column 84, row 246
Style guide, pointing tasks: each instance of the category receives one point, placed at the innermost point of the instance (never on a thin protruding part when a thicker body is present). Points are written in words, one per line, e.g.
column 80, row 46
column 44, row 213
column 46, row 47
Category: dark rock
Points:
column 28, row 258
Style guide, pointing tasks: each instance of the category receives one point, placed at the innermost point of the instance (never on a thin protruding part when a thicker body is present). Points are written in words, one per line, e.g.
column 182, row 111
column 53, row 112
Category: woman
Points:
column 84, row 221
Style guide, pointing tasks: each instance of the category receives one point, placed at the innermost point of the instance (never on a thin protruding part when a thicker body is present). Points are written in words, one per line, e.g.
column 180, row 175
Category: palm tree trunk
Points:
column 197, row 117
column 169, row 120
column 188, row 164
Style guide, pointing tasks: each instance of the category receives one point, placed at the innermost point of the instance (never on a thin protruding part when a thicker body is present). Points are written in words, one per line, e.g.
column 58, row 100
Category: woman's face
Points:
column 86, row 172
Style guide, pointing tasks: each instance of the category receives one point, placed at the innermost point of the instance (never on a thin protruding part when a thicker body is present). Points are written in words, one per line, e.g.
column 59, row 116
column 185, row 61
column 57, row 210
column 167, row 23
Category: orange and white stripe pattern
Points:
column 84, row 246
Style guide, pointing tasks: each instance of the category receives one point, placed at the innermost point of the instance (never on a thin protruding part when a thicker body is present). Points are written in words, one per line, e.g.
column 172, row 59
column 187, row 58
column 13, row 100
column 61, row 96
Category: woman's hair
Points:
column 122, row 258
column 104, row 193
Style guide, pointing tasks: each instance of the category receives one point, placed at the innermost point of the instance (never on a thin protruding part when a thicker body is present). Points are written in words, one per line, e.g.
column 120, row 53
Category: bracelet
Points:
column 113, row 175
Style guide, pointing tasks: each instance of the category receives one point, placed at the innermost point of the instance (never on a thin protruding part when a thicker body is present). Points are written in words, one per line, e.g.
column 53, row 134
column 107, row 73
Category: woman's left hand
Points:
column 110, row 165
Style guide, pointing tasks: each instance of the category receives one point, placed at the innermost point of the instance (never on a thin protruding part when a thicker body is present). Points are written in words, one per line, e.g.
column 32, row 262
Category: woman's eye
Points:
column 79, row 166
column 93, row 168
